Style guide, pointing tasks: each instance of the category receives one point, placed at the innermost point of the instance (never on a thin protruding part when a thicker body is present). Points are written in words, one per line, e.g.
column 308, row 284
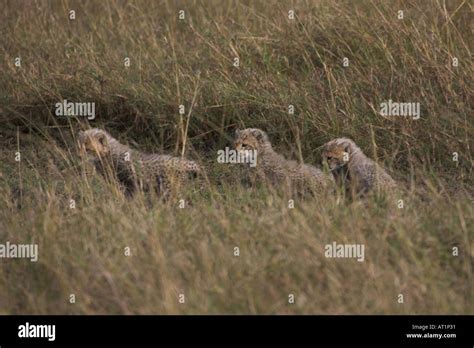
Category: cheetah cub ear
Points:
column 102, row 139
column 237, row 132
column 260, row 135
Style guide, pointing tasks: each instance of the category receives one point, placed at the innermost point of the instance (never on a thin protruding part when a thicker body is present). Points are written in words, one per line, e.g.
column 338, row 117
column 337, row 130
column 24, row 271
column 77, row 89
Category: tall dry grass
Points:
column 190, row 251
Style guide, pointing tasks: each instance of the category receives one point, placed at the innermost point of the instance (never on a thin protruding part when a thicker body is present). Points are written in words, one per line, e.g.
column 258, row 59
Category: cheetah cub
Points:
column 277, row 170
column 133, row 169
column 353, row 169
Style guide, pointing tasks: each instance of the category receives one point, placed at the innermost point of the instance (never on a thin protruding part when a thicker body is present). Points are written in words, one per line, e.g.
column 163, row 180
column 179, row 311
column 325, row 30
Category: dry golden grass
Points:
column 190, row 251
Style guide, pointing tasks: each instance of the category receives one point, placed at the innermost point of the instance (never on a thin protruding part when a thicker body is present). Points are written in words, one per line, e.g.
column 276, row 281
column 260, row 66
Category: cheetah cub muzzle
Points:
column 274, row 168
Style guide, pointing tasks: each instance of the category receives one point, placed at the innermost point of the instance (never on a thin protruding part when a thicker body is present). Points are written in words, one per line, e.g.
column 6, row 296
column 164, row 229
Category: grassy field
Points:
column 191, row 251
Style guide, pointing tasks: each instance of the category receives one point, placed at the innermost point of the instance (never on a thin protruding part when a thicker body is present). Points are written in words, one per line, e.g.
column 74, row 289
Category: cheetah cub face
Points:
column 94, row 142
column 337, row 153
column 251, row 139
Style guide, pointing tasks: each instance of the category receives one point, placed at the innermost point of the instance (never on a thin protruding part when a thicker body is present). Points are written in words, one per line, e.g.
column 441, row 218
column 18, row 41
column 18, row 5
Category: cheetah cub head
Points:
column 94, row 142
column 251, row 139
column 338, row 152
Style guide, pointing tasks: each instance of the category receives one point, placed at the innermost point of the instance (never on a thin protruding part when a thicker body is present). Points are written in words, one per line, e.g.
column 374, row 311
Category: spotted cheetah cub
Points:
column 133, row 169
column 353, row 169
column 274, row 168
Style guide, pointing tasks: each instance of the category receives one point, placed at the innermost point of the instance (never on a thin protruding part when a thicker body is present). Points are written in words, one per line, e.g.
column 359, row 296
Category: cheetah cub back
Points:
column 353, row 169
column 133, row 169
column 278, row 171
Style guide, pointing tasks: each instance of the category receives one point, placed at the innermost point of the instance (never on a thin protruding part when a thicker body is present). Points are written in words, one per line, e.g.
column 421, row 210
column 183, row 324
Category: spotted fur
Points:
column 134, row 169
column 277, row 170
column 353, row 169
